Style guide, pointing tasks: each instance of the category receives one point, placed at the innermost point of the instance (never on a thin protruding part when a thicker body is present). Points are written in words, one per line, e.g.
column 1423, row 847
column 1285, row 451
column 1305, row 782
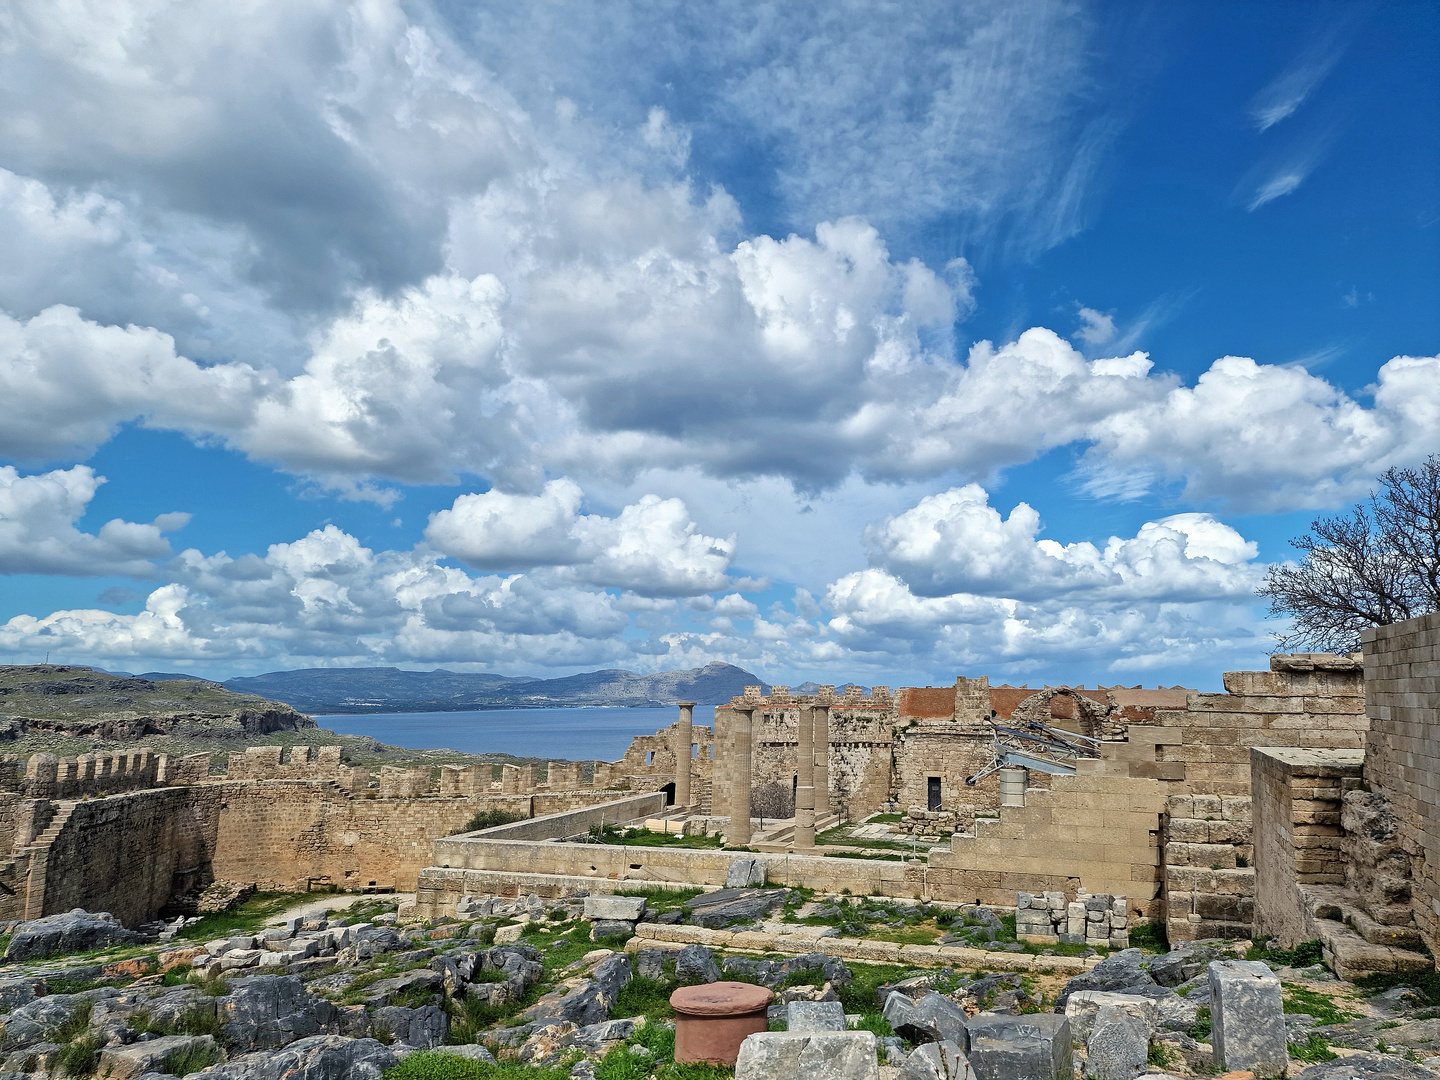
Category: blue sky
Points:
column 854, row 342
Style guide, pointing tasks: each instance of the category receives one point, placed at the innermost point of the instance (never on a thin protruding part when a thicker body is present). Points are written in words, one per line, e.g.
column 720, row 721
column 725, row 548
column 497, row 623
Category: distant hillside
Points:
column 81, row 702
column 353, row 690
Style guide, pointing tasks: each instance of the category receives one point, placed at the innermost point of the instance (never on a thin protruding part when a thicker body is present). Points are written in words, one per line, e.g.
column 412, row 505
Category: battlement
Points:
column 850, row 696
column 46, row 776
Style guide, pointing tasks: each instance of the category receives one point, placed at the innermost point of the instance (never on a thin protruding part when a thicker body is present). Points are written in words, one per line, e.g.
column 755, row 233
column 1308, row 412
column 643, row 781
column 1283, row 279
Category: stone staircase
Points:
column 39, row 850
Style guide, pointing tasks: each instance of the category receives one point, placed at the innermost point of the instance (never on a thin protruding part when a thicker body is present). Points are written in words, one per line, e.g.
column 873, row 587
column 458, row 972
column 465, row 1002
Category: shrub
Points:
column 80, row 1056
column 490, row 819
column 193, row 1059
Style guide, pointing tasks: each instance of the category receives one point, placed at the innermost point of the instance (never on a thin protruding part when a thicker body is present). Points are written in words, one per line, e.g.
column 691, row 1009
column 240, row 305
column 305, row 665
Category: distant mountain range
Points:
column 388, row 689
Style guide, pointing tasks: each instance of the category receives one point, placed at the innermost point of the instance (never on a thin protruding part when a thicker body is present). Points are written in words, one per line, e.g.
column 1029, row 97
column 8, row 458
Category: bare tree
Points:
column 772, row 800
column 1378, row 564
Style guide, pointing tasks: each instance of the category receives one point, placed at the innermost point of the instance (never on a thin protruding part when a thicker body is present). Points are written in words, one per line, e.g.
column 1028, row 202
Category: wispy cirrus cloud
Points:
column 1283, row 95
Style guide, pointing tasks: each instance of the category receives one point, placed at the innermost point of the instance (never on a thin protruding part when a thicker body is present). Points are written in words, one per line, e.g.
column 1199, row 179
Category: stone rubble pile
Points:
column 1048, row 919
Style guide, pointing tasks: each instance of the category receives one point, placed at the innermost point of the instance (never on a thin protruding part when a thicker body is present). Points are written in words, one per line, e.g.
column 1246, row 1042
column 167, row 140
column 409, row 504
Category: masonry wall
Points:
column 1402, row 750
column 950, row 751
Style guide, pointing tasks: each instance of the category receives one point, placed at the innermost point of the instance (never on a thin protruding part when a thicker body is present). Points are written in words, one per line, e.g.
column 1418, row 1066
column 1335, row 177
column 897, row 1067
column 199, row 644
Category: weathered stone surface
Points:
column 266, row 1012
column 1115, row 972
column 744, row 873
column 1247, row 1022
column 932, row 1018
column 589, row 1003
column 630, row 908
column 814, row 1055
column 695, row 964
column 15, row 992
column 127, row 1062
column 598, row 1036
column 29, row 1024
column 814, row 1016
column 1083, row 1006
column 318, row 1057
column 937, row 1061
column 726, row 907
column 1180, row 965
column 1117, row 1045
column 422, row 1028
column 610, row 928
column 1366, row 1067
column 1034, row 1047
column 650, row 963
column 473, row 1052
column 75, row 931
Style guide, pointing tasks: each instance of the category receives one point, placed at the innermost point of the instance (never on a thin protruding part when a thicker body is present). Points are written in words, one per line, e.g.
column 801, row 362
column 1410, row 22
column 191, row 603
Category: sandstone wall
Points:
column 1402, row 750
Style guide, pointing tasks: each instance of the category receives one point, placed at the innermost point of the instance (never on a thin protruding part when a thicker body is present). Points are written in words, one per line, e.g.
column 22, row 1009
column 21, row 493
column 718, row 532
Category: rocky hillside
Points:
column 353, row 690
column 81, row 703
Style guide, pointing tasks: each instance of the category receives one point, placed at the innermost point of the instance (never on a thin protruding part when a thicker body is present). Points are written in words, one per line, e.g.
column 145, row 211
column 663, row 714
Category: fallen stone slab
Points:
column 814, row 1016
column 937, row 1061
column 695, row 964
column 726, row 907
column 1118, row 1044
column 319, row 1057
column 266, row 1012
column 1366, row 1067
column 75, row 931
column 628, row 908
column 610, row 928
column 1034, row 1047
column 422, row 1028
column 127, row 1062
column 745, row 873
column 813, row 1055
column 931, row 1018
column 1247, row 1019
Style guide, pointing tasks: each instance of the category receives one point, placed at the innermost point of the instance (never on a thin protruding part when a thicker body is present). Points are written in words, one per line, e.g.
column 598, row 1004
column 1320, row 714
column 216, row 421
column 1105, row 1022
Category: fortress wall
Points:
column 123, row 854
column 1402, row 750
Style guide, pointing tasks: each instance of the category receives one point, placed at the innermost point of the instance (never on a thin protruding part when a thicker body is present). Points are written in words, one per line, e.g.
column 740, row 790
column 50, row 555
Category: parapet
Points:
column 302, row 763
column 1315, row 661
column 47, row 776
column 780, row 697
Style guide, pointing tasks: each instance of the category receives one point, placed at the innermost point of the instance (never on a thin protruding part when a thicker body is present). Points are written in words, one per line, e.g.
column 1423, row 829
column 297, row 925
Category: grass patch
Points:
column 431, row 1066
column 192, row 1059
column 649, row 998
column 1426, row 983
column 249, row 916
column 1159, row 1054
column 1297, row 999
column 1315, row 1048
column 1306, row 954
column 79, row 1057
column 661, row 899
column 875, row 1023
column 491, row 819
column 190, row 1022
column 1200, row 1030
column 645, row 838
column 1149, row 936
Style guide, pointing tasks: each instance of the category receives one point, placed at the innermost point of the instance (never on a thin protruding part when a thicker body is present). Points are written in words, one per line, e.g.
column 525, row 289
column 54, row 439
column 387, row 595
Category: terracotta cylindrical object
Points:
column 712, row 1020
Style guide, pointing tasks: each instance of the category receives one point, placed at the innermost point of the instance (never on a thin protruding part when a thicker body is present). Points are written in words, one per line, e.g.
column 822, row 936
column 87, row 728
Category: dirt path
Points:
column 338, row 902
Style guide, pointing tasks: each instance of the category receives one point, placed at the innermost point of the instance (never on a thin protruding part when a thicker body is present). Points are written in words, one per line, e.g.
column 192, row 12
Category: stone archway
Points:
column 1095, row 719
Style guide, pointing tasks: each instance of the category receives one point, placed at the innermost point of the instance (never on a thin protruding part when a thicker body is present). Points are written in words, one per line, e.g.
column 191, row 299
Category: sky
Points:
column 848, row 342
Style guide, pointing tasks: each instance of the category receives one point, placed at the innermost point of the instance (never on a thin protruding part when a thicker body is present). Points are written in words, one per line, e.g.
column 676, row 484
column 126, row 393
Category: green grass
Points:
column 250, row 916
column 1200, row 1030
column 1305, row 954
column 875, row 1022
column 1149, row 936
column 1426, row 983
column 1297, row 999
column 79, row 1057
column 1315, row 1048
column 190, row 1022
column 649, row 998
column 490, row 819
column 430, row 1066
column 645, row 838
column 192, row 1059
column 1159, row 1054
column 662, row 899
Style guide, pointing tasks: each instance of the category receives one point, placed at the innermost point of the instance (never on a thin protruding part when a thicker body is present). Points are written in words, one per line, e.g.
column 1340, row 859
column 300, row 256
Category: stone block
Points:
column 814, row 1016
column 1082, row 1006
column 811, row 1055
column 1117, row 1045
column 937, row 1061
column 934, row 1017
column 1034, row 1047
column 125, row 1062
column 745, row 873
column 631, row 908
column 1247, row 1021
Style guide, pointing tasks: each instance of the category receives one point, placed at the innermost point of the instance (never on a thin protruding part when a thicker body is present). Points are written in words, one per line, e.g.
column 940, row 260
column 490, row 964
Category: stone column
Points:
column 805, row 788
column 684, row 739
column 740, row 777
column 822, row 759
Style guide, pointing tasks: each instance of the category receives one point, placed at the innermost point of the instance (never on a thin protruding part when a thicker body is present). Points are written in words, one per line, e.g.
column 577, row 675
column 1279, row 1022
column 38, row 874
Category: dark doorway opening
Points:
column 932, row 793
column 669, row 790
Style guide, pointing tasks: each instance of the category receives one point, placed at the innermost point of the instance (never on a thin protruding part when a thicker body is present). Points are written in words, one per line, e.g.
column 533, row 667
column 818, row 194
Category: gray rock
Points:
column 421, row 1028
column 266, row 1012
column 1180, row 965
column 589, row 1003
column 15, row 992
column 1118, row 971
column 650, row 963
column 814, row 1016
column 745, row 873
column 933, row 1018
column 695, row 964
column 127, row 1062
column 833, row 968
column 609, row 928
column 937, row 1061
column 629, row 908
column 38, row 1020
column 1034, row 1047
column 812, row 1055
column 1083, row 1006
column 1366, row 1067
column 1247, row 1021
column 385, row 991
column 318, row 1057
column 472, row 1052
column 1117, row 1046
column 727, row 907
column 75, row 931
column 597, row 1036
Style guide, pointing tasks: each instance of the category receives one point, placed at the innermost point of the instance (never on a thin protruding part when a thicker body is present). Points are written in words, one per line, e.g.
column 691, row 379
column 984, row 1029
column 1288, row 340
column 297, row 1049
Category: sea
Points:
column 601, row 734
